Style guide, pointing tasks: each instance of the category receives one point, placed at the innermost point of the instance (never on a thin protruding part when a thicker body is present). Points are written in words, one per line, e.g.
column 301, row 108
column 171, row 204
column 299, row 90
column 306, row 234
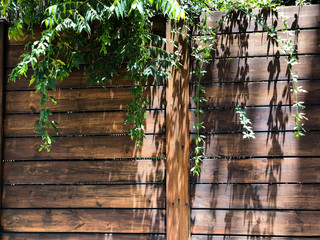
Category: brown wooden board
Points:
column 81, row 100
column 260, row 44
column 253, row 222
column 297, row 17
column 86, row 196
column 277, row 144
column 260, row 170
column 84, row 148
column 257, row 94
column 84, row 172
column 77, row 79
column 77, row 236
column 258, row 69
column 98, row 123
column 256, row 196
column 84, row 220
column 224, row 237
column 262, row 119
column 177, row 141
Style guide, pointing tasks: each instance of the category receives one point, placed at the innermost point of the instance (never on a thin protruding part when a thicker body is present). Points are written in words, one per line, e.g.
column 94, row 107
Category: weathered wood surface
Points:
column 84, row 220
column 98, row 123
column 262, row 119
column 87, row 196
column 260, row 44
column 84, row 172
column 77, row 236
column 253, row 222
column 296, row 16
column 178, row 142
column 255, row 196
column 258, row 69
column 270, row 144
column 257, row 94
column 260, row 170
column 81, row 100
column 224, row 237
column 85, row 148
column 77, row 79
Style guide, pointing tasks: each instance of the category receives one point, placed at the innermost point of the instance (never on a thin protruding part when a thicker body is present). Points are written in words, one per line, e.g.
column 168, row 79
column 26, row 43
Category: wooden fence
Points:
column 95, row 184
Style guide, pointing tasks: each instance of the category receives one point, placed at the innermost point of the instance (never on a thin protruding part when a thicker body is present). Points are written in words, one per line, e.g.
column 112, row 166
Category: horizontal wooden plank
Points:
column 296, row 16
column 257, row 69
column 223, row 237
column 98, row 123
column 84, row 148
column 260, row 44
column 77, row 236
column 256, row 196
column 275, row 144
column 262, row 118
column 77, row 79
column 86, row 196
column 81, row 100
column 252, row 222
column 259, row 170
column 84, row 220
column 257, row 94
column 84, row 172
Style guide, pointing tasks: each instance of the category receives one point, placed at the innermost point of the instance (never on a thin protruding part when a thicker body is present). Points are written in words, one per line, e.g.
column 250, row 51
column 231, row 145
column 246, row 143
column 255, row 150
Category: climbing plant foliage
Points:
column 107, row 35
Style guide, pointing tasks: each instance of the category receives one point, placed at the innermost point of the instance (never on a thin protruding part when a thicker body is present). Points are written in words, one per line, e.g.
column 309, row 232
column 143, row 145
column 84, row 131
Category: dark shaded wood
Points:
column 258, row 69
column 260, row 170
column 224, row 237
column 84, row 172
column 266, row 144
column 297, row 17
column 88, row 196
column 84, row 148
column 262, row 118
column 177, row 142
column 81, row 100
column 253, row 222
column 256, row 196
column 84, row 220
column 257, row 94
column 99, row 123
column 77, row 236
column 260, row 44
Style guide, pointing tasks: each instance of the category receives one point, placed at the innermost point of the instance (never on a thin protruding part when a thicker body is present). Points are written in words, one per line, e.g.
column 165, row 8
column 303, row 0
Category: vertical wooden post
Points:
column 3, row 38
column 177, row 142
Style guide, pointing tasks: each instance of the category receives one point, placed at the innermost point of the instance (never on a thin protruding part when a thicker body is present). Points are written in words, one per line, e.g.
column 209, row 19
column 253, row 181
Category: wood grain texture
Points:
column 297, row 17
column 81, row 100
column 257, row 94
column 84, row 148
column 275, row 118
column 260, row 170
column 260, row 44
column 88, row 196
column 224, row 237
column 84, row 172
column 256, row 196
column 257, row 69
column 275, row 144
column 177, row 141
column 84, row 220
column 98, row 123
column 77, row 79
column 77, row 236
column 252, row 222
